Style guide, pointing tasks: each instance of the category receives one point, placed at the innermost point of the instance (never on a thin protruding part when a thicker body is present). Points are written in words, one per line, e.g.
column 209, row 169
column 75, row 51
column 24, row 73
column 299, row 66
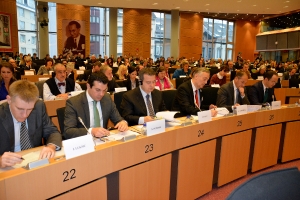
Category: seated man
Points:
column 94, row 107
column 233, row 93
column 112, row 84
column 59, row 86
column 262, row 92
column 188, row 97
column 220, row 77
column 88, row 72
column 290, row 74
column 24, row 123
column 140, row 104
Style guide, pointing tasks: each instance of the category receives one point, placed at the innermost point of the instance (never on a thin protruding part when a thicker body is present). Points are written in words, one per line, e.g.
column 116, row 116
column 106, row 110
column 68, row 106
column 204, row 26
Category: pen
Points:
column 22, row 158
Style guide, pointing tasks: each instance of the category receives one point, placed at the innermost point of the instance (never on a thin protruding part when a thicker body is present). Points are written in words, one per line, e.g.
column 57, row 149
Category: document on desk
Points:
column 253, row 108
column 167, row 115
column 121, row 135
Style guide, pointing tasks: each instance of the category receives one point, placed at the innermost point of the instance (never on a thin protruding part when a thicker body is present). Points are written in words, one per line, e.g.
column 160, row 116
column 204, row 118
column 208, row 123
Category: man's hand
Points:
column 100, row 132
column 9, row 159
column 148, row 119
column 212, row 106
column 64, row 96
column 242, row 91
column 213, row 112
column 122, row 126
column 48, row 151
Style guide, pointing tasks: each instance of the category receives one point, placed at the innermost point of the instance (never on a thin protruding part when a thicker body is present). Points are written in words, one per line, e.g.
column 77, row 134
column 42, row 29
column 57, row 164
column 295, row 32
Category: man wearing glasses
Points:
column 142, row 103
column 94, row 107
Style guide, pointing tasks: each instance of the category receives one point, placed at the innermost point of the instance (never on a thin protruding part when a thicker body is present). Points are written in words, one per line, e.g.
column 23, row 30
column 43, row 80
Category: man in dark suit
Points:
column 140, row 104
column 34, row 57
column 112, row 84
column 262, row 92
column 29, row 65
column 234, row 93
column 188, row 98
column 88, row 72
column 94, row 107
column 76, row 42
column 290, row 74
column 24, row 123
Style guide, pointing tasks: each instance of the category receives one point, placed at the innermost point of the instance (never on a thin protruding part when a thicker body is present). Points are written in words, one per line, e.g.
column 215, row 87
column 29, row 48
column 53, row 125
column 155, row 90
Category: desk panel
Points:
column 34, row 78
column 195, row 170
column 95, row 190
column 266, row 147
column 267, row 117
column 2, row 190
column 149, row 180
column 291, row 114
column 291, row 145
column 234, row 158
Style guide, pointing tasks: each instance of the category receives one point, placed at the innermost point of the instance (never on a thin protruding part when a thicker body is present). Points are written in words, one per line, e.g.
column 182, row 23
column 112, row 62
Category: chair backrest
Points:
column 39, row 85
column 209, row 95
column 169, row 97
column 121, row 83
column 82, row 85
column 179, row 81
column 118, row 99
column 61, row 118
column 279, row 184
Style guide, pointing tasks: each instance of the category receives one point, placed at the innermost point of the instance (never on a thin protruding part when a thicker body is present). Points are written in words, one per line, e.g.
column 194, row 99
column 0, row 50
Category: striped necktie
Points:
column 24, row 137
column 150, row 107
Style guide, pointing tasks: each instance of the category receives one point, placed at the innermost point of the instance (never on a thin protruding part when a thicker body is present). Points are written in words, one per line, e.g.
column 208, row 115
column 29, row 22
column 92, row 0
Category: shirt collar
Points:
column 264, row 86
column 14, row 119
column 193, row 86
column 144, row 93
column 234, row 86
column 89, row 98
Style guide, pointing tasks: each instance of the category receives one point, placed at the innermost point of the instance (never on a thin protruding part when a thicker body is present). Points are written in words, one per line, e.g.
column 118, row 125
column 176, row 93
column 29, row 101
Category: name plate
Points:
column 241, row 110
column 78, row 146
column 276, row 105
column 155, row 127
column 204, row 116
column 120, row 89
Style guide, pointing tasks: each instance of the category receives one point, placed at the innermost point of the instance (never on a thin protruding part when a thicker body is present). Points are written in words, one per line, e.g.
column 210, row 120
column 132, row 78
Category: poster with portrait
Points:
column 74, row 40
column 5, row 32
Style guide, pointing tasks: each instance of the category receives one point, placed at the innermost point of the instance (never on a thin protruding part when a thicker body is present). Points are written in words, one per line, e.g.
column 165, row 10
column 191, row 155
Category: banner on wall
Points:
column 5, row 32
column 74, row 39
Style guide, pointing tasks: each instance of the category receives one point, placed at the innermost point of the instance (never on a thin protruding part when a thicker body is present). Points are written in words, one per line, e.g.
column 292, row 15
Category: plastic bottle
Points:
column 144, row 129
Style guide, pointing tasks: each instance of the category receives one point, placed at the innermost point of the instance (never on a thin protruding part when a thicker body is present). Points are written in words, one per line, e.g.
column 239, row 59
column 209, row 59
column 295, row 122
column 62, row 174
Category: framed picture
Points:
column 5, row 32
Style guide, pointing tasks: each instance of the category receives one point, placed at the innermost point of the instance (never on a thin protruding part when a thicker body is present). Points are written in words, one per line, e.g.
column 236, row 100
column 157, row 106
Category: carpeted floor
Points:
column 223, row 191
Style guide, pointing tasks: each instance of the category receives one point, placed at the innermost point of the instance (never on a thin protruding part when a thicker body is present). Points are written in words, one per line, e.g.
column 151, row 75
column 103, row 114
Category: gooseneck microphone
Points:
column 80, row 120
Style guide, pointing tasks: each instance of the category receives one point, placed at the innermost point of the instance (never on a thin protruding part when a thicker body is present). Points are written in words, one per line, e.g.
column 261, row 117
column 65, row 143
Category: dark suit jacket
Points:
column 70, row 45
column 286, row 76
column 226, row 97
column 133, row 105
column 39, row 126
column 86, row 74
column 127, row 83
column 184, row 100
column 78, row 107
column 256, row 94
column 112, row 85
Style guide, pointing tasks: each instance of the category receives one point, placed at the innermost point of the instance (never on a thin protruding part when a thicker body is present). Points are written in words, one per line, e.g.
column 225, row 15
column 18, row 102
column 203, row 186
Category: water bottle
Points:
column 144, row 129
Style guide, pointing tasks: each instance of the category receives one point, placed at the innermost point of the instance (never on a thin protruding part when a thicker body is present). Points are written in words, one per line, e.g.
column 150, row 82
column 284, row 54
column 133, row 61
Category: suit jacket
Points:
column 70, row 45
column 39, row 126
column 112, row 85
column 286, row 76
column 78, row 107
column 133, row 105
column 33, row 66
column 127, row 83
column 256, row 94
column 184, row 100
column 226, row 97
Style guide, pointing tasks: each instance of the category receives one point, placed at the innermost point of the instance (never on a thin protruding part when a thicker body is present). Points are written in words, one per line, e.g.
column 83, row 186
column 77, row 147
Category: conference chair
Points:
column 274, row 185
column 39, row 85
column 118, row 99
column 212, row 70
column 121, row 83
column 169, row 97
column 208, row 96
column 61, row 118
column 82, row 85
column 179, row 81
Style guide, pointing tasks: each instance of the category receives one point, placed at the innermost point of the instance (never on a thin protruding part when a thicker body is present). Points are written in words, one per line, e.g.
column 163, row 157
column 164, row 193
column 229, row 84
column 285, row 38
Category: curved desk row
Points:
column 181, row 163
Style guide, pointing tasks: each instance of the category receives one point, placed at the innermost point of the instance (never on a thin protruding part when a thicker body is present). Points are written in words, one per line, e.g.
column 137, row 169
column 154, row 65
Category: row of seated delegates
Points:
column 188, row 98
column 24, row 123
column 260, row 72
column 162, row 80
column 112, row 84
column 94, row 107
column 29, row 65
column 6, row 79
column 121, row 74
column 45, row 69
column 220, row 77
column 290, row 74
column 140, row 104
column 262, row 92
column 60, row 86
column 183, row 71
column 234, row 93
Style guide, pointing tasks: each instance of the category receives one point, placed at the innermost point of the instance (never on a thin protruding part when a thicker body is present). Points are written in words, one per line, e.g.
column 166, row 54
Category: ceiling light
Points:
column 239, row 1
column 238, row 10
column 99, row 3
column 177, row 7
column 254, row 5
column 268, row 8
column 207, row 9
column 154, row 4
column 207, row 4
column 285, row 6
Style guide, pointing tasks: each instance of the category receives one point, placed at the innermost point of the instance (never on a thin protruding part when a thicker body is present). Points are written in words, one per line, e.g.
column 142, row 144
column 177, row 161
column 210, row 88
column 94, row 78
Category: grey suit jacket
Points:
column 78, row 107
column 39, row 126
column 226, row 97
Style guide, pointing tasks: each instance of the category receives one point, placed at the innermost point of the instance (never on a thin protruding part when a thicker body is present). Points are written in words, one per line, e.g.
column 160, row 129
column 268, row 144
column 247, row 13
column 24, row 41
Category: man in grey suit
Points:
column 23, row 124
column 94, row 107
column 234, row 93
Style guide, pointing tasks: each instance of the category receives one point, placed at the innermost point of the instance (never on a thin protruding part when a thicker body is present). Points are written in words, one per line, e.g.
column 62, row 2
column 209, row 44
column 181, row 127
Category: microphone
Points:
column 273, row 97
column 80, row 120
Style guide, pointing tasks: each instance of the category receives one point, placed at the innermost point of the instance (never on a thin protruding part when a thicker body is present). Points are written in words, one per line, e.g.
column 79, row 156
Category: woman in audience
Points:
column 121, row 73
column 119, row 61
column 6, row 79
column 162, row 81
column 45, row 69
column 110, row 62
column 184, row 71
column 132, row 82
column 22, row 60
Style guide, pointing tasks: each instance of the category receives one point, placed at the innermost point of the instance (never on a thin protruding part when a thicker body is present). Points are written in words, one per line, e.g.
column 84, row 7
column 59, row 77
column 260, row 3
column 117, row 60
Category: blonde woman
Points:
column 121, row 73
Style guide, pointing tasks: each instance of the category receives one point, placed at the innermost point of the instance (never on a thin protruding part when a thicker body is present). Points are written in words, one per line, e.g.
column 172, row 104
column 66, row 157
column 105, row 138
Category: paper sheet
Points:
column 120, row 135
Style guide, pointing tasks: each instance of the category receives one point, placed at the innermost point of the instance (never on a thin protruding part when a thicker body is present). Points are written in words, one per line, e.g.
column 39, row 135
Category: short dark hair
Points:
column 97, row 64
column 76, row 23
column 160, row 69
column 49, row 59
column 131, row 69
column 225, row 68
column 270, row 74
column 147, row 71
column 97, row 76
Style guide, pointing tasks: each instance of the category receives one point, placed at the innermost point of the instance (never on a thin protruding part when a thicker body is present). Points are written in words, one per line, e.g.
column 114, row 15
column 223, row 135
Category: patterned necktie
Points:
column 266, row 96
column 197, row 99
column 150, row 107
column 24, row 137
column 237, row 96
column 96, row 115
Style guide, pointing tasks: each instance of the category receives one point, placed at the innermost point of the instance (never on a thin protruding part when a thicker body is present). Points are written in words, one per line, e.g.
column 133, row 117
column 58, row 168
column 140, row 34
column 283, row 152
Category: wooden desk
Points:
column 34, row 78
column 181, row 163
column 251, row 82
column 287, row 95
